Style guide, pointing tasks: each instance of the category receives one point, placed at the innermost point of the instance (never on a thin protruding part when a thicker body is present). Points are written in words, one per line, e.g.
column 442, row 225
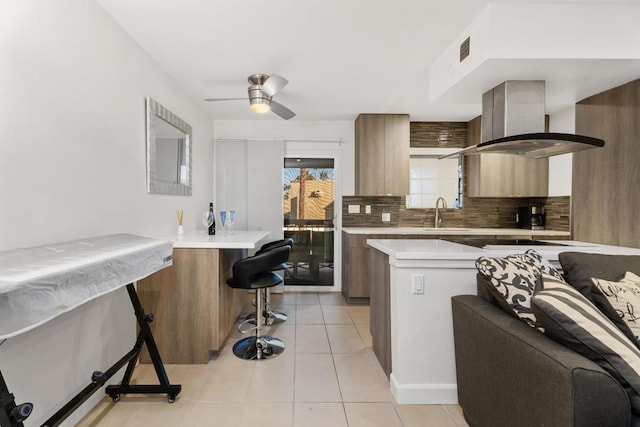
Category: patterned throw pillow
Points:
column 571, row 319
column 513, row 280
column 624, row 297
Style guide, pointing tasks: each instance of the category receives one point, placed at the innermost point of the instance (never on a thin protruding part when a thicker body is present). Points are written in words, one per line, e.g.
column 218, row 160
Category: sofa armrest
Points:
column 509, row 374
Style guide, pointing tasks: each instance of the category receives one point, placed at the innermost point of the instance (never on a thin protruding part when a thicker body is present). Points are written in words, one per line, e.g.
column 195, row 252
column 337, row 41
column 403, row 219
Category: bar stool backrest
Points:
column 275, row 244
column 255, row 271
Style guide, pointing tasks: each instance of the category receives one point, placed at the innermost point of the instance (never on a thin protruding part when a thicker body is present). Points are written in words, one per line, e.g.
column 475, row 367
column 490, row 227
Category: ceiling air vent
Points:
column 464, row 48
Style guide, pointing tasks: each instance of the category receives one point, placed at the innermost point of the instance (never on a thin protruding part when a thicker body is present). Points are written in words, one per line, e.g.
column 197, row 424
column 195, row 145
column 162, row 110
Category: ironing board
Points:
column 40, row 283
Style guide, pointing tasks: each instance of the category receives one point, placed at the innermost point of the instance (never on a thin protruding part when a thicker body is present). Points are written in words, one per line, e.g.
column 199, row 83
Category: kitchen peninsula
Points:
column 194, row 309
column 411, row 320
column 356, row 276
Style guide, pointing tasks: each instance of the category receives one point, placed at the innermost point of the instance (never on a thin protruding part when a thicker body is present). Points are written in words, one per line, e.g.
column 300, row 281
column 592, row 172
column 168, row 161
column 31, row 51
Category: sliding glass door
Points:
column 308, row 208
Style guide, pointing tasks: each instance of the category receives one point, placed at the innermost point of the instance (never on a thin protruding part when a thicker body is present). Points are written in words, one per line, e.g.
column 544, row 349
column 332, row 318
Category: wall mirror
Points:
column 431, row 177
column 168, row 152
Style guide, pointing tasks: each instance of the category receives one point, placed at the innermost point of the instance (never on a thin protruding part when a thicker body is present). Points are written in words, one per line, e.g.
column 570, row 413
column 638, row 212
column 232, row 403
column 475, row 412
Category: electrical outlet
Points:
column 386, row 217
column 354, row 209
column 367, row 209
column 417, row 284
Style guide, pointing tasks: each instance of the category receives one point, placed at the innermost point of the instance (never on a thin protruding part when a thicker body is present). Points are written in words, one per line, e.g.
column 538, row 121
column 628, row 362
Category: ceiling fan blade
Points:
column 226, row 99
column 281, row 110
column 273, row 84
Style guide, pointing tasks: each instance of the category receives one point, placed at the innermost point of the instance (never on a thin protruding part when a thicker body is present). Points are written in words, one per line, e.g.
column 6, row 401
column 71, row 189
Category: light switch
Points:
column 354, row 208
column 386, row 217
column 417, row 284
column 367, row 209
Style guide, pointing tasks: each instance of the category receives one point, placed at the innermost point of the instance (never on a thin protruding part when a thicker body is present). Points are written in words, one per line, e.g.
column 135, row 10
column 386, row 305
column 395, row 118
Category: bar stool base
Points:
column 274, row 318
column 261, row 348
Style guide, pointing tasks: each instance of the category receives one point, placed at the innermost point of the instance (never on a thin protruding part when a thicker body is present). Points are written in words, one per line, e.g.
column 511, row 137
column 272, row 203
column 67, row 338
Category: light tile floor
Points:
column 327, row 376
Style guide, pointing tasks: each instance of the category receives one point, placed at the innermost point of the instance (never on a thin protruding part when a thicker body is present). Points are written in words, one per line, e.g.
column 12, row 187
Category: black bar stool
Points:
column 272, row 316
column 256, row 273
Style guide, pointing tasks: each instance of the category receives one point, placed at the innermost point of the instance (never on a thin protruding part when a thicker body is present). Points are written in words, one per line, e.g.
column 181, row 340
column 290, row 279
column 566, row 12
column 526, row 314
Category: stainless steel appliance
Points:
column 530, row 217
column 513, row 122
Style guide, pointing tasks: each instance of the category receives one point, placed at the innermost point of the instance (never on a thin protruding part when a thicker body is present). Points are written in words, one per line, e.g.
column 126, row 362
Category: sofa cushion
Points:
column 624, row 297
column 579, row 269
column 512, row 281
column 571, row 319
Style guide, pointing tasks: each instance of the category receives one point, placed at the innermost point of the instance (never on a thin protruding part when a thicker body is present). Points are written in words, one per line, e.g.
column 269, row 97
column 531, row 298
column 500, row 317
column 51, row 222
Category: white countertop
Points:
column 463, row 231
column 436, row 249
column 240, row 239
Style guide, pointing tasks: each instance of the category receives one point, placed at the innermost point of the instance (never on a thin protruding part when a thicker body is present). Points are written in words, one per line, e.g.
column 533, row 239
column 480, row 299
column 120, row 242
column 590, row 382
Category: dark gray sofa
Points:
column 511, row 375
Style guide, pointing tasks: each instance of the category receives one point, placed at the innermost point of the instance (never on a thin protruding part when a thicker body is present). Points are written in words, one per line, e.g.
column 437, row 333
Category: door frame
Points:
column 325, row 151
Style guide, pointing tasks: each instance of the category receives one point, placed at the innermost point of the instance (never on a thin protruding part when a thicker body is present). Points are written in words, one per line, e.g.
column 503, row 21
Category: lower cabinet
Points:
column 357, row 269
column 194, row 309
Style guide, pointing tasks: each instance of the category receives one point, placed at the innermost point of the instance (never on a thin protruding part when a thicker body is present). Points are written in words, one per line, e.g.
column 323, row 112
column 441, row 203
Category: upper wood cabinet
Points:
column 503, row 175
column 382, row 154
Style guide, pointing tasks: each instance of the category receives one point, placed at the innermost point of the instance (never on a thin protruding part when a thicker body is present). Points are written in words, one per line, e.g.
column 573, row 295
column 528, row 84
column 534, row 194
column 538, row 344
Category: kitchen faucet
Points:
column 444, row 206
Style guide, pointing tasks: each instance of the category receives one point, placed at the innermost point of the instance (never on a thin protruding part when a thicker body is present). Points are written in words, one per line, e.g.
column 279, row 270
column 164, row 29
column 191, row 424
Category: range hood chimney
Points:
column 513, row 123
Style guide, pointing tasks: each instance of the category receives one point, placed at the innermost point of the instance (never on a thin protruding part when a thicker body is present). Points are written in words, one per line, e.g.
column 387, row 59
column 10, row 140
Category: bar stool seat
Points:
column 255, row 273
column 272, row 316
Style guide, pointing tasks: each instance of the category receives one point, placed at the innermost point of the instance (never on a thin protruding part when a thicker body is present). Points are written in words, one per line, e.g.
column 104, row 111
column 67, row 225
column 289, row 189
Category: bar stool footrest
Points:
column 261, row 348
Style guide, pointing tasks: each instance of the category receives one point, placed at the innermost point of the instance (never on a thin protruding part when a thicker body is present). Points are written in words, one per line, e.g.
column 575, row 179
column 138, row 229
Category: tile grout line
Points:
column 295, row 362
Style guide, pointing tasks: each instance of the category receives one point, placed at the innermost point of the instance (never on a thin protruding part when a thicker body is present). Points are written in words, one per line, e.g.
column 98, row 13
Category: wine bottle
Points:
column 212, row 227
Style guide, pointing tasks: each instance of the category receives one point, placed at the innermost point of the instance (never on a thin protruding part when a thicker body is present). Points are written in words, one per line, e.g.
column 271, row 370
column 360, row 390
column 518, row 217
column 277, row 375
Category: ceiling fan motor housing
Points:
column 260, row 102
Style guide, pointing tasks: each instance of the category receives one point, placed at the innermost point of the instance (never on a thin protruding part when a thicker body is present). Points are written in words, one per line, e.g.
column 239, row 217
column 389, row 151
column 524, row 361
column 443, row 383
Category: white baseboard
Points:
column 446, row 394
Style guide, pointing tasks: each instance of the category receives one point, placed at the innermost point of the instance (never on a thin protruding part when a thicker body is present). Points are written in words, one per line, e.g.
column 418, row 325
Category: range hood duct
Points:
column 513, row 123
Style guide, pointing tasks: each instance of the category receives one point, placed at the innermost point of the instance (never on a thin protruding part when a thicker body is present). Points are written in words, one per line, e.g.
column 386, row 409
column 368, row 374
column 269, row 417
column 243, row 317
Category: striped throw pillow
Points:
column 575, row 322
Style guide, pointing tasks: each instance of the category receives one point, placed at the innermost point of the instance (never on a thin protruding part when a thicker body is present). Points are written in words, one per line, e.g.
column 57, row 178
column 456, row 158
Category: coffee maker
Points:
column 530, row 217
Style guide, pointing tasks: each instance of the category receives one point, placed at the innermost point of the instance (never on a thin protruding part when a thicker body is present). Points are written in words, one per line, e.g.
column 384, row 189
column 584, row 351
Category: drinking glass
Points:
column 207, row 219
column 231, row 217
column 223, row 218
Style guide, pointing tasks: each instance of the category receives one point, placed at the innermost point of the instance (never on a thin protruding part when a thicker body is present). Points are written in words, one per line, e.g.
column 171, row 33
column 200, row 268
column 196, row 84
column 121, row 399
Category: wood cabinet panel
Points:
column 380, row 326
column 397, row 136
column 605, row 199
column 369, row 148
column 193, row 307
column 355, row 271
column 382, row 154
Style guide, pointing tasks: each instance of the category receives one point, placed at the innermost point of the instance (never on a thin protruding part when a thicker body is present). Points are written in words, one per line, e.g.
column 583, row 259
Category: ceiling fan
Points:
column 261, row 91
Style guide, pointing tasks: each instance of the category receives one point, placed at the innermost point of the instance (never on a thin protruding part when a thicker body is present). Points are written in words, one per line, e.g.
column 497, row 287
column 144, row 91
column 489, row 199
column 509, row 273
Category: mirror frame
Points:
column 157, row 111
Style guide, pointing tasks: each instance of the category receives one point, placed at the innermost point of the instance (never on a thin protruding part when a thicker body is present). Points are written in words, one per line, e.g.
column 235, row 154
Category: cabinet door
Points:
column 396, row 154
column 369, row 153
column 359, row 277
column 531, row 177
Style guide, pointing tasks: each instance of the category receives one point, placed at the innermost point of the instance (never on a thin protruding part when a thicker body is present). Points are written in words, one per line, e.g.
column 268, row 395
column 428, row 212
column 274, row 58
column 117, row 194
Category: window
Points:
column 432, row 177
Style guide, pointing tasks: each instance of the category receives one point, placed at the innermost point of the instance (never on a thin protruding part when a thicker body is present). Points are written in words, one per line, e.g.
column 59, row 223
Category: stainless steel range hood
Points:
column 513, row 123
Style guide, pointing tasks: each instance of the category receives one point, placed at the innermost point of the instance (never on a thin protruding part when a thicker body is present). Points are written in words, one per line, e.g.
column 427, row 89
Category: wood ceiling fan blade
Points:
column 274, row 84
column 226, row 99
column 281, row 110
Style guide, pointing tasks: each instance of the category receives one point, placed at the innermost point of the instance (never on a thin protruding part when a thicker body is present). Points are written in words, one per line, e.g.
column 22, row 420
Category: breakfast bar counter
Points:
column 411, row 321
column 222, row 240
column 194, row 309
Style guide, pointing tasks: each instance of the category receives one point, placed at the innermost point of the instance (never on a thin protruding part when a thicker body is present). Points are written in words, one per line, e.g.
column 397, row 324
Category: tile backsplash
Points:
column 481, row 212
column 477, row 212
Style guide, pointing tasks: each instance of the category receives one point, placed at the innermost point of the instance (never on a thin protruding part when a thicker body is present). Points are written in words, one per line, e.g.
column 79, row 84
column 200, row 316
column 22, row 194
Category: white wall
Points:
column 560, row 166
column 298, row 135
column 72, row 165
column 304, row 139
